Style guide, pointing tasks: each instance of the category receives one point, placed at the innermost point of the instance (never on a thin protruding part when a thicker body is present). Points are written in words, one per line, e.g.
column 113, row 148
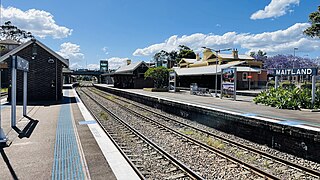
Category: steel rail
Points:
column 111, row 138
column 182, row 166
column 236, row 160
column 297, row 166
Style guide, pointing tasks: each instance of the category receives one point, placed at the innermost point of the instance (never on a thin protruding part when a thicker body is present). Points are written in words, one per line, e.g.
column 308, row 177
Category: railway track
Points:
column 207, row 161
column 277, row 167
column 148, row 159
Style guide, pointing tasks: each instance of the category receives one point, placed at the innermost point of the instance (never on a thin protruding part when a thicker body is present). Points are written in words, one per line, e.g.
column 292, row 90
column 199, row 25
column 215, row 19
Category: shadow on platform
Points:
column 7, row 161
column 28, row 129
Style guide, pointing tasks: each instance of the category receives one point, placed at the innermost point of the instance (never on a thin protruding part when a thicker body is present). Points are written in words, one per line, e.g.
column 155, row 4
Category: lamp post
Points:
column 217, row 59
column 294, row 55
column 294, row 59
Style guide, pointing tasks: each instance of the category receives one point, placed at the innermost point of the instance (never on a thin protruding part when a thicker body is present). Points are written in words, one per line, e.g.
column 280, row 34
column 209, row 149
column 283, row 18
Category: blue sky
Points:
column 88, row 31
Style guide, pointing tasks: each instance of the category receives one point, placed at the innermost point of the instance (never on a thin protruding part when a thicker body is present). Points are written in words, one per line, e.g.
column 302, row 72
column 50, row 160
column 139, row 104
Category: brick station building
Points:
column 45, row 80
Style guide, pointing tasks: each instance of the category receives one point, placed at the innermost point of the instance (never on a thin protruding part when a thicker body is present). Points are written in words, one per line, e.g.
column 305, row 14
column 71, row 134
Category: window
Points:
column 245, row 76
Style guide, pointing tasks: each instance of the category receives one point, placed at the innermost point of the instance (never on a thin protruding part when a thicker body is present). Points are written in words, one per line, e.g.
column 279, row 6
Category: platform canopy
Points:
column 205, row 70
column 128, row 69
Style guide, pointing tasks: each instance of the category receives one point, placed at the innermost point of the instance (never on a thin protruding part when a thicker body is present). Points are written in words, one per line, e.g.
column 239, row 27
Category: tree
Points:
column 314, row 29
column 164, row 57
column 287, row 61
column 185, row 52
column 260, row 55
column 159, row 75
column 9, row 31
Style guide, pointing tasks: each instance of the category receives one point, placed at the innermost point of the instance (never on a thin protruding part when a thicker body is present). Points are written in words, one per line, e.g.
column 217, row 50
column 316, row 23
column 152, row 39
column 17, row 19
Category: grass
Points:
column 187, row 132
column 4, row 89
column 103, row 115
column 215, row 143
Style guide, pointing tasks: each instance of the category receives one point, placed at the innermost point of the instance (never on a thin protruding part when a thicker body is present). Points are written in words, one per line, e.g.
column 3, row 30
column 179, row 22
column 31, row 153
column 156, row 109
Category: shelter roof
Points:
column 189, row 61
column 247, row 69
column 128, row 69
column 205, row 70
column 230, row 56
column 26, row 44
column 9, row 41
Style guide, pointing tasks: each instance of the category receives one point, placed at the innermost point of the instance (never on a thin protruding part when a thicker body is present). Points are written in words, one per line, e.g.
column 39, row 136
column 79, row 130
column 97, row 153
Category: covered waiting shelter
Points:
column 203, row 75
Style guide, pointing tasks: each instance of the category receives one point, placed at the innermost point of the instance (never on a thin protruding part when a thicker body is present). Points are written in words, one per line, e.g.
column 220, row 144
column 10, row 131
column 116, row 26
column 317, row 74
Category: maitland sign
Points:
column 296, row 72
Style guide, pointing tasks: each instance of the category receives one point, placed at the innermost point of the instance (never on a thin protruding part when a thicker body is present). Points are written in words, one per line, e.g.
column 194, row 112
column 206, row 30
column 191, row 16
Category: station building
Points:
column 45, row 80
column 132, row 76
column 203, row 71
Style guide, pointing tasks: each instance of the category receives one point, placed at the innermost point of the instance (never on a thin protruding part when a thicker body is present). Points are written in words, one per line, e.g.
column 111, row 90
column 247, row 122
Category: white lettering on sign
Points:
column 309, row 71
column 294, row 72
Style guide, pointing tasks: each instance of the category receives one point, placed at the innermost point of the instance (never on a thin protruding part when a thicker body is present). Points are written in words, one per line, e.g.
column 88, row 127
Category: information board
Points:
column 228, row 82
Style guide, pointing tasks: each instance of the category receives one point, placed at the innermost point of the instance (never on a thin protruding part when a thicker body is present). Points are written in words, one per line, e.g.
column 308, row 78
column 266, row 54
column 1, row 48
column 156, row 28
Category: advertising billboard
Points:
column 228, row 82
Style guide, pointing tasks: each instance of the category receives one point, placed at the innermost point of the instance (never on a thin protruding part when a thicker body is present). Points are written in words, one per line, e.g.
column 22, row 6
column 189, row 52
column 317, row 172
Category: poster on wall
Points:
column 172, row 81
column 228, row 82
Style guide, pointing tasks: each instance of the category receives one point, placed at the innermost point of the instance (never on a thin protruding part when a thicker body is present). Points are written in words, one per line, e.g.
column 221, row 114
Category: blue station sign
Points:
column 296, row 72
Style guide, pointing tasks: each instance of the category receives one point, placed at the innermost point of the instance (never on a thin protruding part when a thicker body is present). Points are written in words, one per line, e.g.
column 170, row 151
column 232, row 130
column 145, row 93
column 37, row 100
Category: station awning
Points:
column 205, row 70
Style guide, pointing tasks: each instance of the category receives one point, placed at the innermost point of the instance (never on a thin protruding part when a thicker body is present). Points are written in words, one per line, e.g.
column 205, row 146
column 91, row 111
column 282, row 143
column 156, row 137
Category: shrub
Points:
column 270, row 84
column 159, row 75
column 288, row 98
column 287, row 84
column 306, row 86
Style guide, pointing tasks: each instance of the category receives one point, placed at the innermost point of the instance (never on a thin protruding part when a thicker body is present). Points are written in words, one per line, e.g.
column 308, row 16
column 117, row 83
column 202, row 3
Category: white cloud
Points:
column 72, row 52
column 40, row 23
column 276, row 8
column 105, row 50
column 93, row 66
column 281, row 41
column 116, row 62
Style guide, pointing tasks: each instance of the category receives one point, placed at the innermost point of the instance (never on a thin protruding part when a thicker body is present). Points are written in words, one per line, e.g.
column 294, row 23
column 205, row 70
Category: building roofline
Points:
column 24, row 45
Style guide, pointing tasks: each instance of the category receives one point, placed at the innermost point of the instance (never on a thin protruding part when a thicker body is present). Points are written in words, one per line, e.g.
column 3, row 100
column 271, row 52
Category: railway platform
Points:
column 59, row 141
column 291, row 131
column 243, row 105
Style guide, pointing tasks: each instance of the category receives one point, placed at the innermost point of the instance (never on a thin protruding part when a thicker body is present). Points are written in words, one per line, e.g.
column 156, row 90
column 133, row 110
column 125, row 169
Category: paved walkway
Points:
column 243, row 105
column 55, row 142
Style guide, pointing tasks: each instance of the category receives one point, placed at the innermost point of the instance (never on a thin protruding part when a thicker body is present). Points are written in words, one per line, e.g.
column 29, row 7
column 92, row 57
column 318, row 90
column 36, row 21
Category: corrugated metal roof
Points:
column 247, row 69
column 189, row 60
column 9, row 41
column 128, row 69
column 240, row 56
column 205, row 70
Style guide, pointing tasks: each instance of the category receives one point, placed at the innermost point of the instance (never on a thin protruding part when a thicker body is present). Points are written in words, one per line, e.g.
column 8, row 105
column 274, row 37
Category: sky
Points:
column 86, row 32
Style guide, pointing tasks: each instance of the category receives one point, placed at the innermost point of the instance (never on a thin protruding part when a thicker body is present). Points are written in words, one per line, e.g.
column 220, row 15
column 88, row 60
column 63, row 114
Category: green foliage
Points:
column 185, row 52
column 288, row 98
column 270, row 84
column 9, row 31
column 314, row 29
column 159, row 75
column 309, row 85
column 164, row 57
column 287, row 84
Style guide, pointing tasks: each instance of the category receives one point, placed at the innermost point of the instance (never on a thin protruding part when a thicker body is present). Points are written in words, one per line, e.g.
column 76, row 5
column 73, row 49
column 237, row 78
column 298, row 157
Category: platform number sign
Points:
column 22, row 64
column 18, row 63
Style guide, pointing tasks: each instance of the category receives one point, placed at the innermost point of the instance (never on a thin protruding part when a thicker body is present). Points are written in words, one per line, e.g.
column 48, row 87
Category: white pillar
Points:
column 3, row 137
column 13, row 92
column 25, row 82
column 276, row 82
column 313, row 89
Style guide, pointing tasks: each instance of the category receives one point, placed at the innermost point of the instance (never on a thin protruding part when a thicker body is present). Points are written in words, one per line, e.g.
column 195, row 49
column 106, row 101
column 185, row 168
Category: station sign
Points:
column 22, row 64
column 296, row 72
